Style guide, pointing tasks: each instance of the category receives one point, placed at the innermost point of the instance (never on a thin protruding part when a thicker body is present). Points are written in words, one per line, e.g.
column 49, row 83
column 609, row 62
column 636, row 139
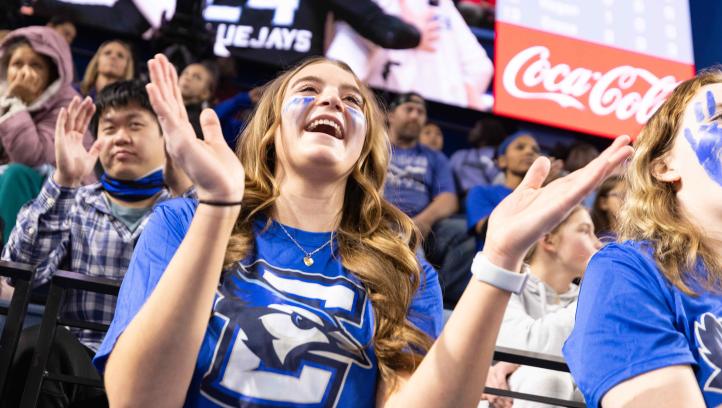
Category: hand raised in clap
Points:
column 73, row 161
column 531, row 210
column 210, row 164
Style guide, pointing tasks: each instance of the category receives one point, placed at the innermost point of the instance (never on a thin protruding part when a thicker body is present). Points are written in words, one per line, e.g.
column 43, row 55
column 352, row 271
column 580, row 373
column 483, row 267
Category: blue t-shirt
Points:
column 416, row 176
column 474, row 167
column 480, row 202
column 280, row 333
column 631, row 320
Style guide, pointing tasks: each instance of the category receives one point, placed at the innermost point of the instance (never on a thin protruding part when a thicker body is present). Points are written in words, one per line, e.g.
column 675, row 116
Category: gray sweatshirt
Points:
column 539, row 319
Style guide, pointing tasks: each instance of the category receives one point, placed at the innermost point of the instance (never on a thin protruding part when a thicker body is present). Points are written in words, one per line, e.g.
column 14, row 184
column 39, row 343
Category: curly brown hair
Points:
column 651, row 211
column 376, row 240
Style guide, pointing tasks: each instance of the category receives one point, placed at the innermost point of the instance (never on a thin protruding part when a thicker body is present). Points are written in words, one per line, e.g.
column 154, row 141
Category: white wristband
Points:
column 485, row 271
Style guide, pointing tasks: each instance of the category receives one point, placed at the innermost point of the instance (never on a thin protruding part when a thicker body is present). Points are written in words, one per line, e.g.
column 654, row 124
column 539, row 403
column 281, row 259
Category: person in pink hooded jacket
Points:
column 36, row 71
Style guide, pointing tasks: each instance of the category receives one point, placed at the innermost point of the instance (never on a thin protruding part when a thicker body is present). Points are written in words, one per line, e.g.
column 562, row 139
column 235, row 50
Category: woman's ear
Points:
column 548, row 243
column 665, row 169
column 501, row 162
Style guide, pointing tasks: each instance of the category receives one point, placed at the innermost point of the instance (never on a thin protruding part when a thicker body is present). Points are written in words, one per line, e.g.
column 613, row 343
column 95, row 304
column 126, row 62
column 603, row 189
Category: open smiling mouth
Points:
column 326, row 126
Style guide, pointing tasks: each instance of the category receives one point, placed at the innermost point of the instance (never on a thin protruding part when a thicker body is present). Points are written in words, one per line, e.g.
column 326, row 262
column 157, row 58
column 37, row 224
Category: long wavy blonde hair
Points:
column 376, row 241
column 651, row 211
column 91, row 72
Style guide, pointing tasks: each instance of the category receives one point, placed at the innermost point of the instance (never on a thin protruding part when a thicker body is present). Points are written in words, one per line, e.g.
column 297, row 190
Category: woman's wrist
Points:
column 63, row 180
column 486, row 271
column 502, row 260
column 221, row 203
column 219, row 213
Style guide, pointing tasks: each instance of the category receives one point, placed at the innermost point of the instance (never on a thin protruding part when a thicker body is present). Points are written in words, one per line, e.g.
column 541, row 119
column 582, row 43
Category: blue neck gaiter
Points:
column 133, row 190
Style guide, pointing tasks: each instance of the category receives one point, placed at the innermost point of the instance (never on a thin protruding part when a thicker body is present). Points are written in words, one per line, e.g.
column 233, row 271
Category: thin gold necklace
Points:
column 308, row 259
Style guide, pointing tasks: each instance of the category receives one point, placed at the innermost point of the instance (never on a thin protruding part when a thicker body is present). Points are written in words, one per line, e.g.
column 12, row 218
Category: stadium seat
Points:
column 61, row 282
column 14, row 313
column 532, row 359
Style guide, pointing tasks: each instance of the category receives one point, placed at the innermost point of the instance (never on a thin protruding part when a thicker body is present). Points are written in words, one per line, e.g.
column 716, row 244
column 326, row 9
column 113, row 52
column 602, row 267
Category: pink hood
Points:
column 27, row 133
column 46, row 41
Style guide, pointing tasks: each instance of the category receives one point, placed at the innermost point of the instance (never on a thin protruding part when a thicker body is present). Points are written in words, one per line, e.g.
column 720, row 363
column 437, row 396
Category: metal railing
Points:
column 60, row 283
column 22, row 276
column 529, row 358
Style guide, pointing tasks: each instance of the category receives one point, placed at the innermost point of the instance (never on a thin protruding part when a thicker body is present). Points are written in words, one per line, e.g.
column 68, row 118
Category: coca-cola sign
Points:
column 575, row 84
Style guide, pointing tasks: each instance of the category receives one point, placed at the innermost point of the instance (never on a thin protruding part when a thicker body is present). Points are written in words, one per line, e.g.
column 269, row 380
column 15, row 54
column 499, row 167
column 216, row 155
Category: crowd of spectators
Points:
column 61, row 210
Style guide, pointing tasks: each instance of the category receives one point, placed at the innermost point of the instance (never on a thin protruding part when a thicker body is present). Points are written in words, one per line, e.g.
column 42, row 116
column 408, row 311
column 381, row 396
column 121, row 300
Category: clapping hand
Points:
column 531, row 210
column 73, row 161
column 210, row 164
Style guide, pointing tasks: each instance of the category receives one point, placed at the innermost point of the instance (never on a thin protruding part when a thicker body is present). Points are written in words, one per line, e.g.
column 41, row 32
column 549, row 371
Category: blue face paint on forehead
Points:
column 706, row 138
column 298, row 101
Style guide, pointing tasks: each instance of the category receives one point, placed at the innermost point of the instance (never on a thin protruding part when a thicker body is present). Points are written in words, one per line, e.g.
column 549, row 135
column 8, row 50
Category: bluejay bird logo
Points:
column 708, row 331
column 285, row 338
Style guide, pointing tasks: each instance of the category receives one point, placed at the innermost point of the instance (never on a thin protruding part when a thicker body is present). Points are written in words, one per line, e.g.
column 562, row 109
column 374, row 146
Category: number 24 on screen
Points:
column 283, row 11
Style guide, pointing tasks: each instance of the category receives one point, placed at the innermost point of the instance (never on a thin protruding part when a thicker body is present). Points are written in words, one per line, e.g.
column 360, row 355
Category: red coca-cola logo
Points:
column 577, row 84
column 530, row 74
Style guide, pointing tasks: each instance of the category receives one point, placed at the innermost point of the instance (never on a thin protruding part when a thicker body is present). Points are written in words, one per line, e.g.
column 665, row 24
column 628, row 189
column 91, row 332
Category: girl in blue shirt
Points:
column 299, row 286
column 648, row 329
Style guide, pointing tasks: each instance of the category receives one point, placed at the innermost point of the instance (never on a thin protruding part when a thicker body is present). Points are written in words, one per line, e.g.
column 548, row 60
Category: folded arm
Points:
column 371, row 22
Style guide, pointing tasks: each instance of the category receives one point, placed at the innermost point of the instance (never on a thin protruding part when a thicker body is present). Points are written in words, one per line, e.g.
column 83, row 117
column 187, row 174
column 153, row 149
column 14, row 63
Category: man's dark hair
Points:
column 487, row 131
column 406, row 97
column 119, row 95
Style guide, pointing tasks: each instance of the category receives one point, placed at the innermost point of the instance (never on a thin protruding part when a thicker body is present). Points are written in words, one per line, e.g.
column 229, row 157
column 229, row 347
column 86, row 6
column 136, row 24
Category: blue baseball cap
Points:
column 501, row 150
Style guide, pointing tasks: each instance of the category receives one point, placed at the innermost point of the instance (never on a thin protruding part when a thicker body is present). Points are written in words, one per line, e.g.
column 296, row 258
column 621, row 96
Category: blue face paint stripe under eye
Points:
column 303, row 100
column 357, row 114
column 711, row 103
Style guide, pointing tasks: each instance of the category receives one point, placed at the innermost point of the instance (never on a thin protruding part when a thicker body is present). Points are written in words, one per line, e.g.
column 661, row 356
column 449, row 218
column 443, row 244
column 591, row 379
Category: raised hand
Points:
column 426, row 22
column 530, row 210
column 73, row 163
column 210, row 164
column 430, row 29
